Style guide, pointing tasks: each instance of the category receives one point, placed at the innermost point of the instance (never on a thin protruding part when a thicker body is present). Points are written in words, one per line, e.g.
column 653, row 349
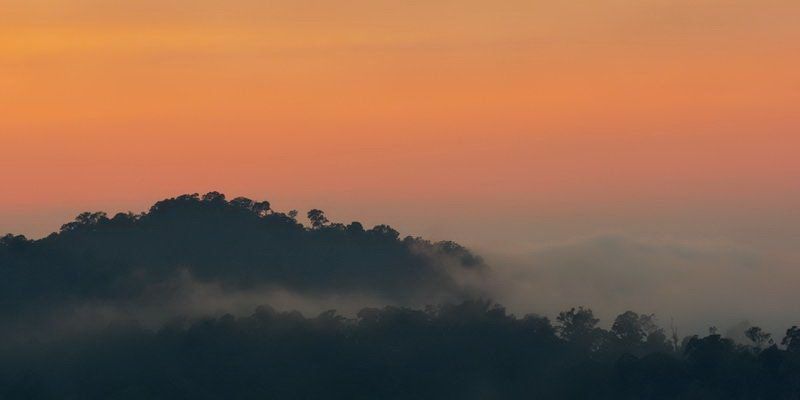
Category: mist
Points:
column 205, row 297
column 690, row 285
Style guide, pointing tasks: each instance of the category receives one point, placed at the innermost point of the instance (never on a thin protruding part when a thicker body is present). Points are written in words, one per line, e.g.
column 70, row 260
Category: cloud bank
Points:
column 694, row 285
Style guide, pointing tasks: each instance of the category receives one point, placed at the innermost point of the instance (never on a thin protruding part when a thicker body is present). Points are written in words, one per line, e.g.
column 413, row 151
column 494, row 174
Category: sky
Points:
column 505, row 125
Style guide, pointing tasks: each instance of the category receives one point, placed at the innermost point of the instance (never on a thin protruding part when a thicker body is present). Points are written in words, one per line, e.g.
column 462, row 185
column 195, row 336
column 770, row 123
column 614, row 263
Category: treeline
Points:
column 124, row 266
column 239, row 244
column 473, row 350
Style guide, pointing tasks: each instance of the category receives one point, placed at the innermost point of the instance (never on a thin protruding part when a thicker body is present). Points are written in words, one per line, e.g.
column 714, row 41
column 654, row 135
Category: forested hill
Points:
column 238, row 244
column 473, row 350
column 140, row 306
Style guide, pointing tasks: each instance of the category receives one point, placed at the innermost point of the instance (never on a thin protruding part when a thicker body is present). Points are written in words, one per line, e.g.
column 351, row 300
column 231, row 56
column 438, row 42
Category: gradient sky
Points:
column 497, row 123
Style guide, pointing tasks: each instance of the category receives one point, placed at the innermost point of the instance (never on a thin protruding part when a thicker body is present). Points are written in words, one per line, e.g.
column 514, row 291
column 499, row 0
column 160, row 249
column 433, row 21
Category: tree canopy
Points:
column 458, row 346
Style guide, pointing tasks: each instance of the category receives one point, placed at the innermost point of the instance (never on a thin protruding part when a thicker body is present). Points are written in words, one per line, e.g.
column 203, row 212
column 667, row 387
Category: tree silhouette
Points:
column 317, row 218
column 463, row 350
column 758, row 337
column 579, row 326
column 792, row 339
column 459, row 345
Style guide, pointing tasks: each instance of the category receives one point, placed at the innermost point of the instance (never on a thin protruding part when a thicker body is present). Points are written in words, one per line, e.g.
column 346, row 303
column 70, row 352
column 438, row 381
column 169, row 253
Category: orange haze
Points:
column 450, row 118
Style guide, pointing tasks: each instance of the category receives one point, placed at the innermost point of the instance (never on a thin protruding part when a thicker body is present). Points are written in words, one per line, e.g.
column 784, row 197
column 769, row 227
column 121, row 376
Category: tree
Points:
column 628, row 329
column 355, row 228
column 674, row 338
column 317, row 218
column 708, row 355
column 261, row 208
column 14, row 242
column 243, row 202
column 85, row 219
column 214, row 197
column 385, row 231
column 124, row 218
column 578, row 326
column 792, row 340
column 758, row 337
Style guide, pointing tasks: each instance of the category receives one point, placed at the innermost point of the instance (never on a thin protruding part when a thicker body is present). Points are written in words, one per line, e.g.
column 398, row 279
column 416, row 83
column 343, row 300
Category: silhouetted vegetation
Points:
column 238, row 244
column 464, row 348
column 473, row 350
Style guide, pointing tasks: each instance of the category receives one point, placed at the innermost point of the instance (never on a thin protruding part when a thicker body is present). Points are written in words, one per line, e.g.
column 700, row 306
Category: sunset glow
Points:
column 552, row 111
column 407, row 199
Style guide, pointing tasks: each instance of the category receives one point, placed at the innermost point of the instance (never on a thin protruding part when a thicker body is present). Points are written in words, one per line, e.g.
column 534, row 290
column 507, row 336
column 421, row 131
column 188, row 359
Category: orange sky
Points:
column 447, row 118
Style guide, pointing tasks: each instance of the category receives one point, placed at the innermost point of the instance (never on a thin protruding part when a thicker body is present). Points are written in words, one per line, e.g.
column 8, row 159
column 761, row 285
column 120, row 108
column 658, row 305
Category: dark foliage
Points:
column 238, row 244
column 467, row 349
column 473, row 350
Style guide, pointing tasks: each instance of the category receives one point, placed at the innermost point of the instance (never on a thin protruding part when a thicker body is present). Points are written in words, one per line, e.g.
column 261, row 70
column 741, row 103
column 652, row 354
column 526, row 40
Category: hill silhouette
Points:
column 75, row 309
column 471, row 350
column 238, row 244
